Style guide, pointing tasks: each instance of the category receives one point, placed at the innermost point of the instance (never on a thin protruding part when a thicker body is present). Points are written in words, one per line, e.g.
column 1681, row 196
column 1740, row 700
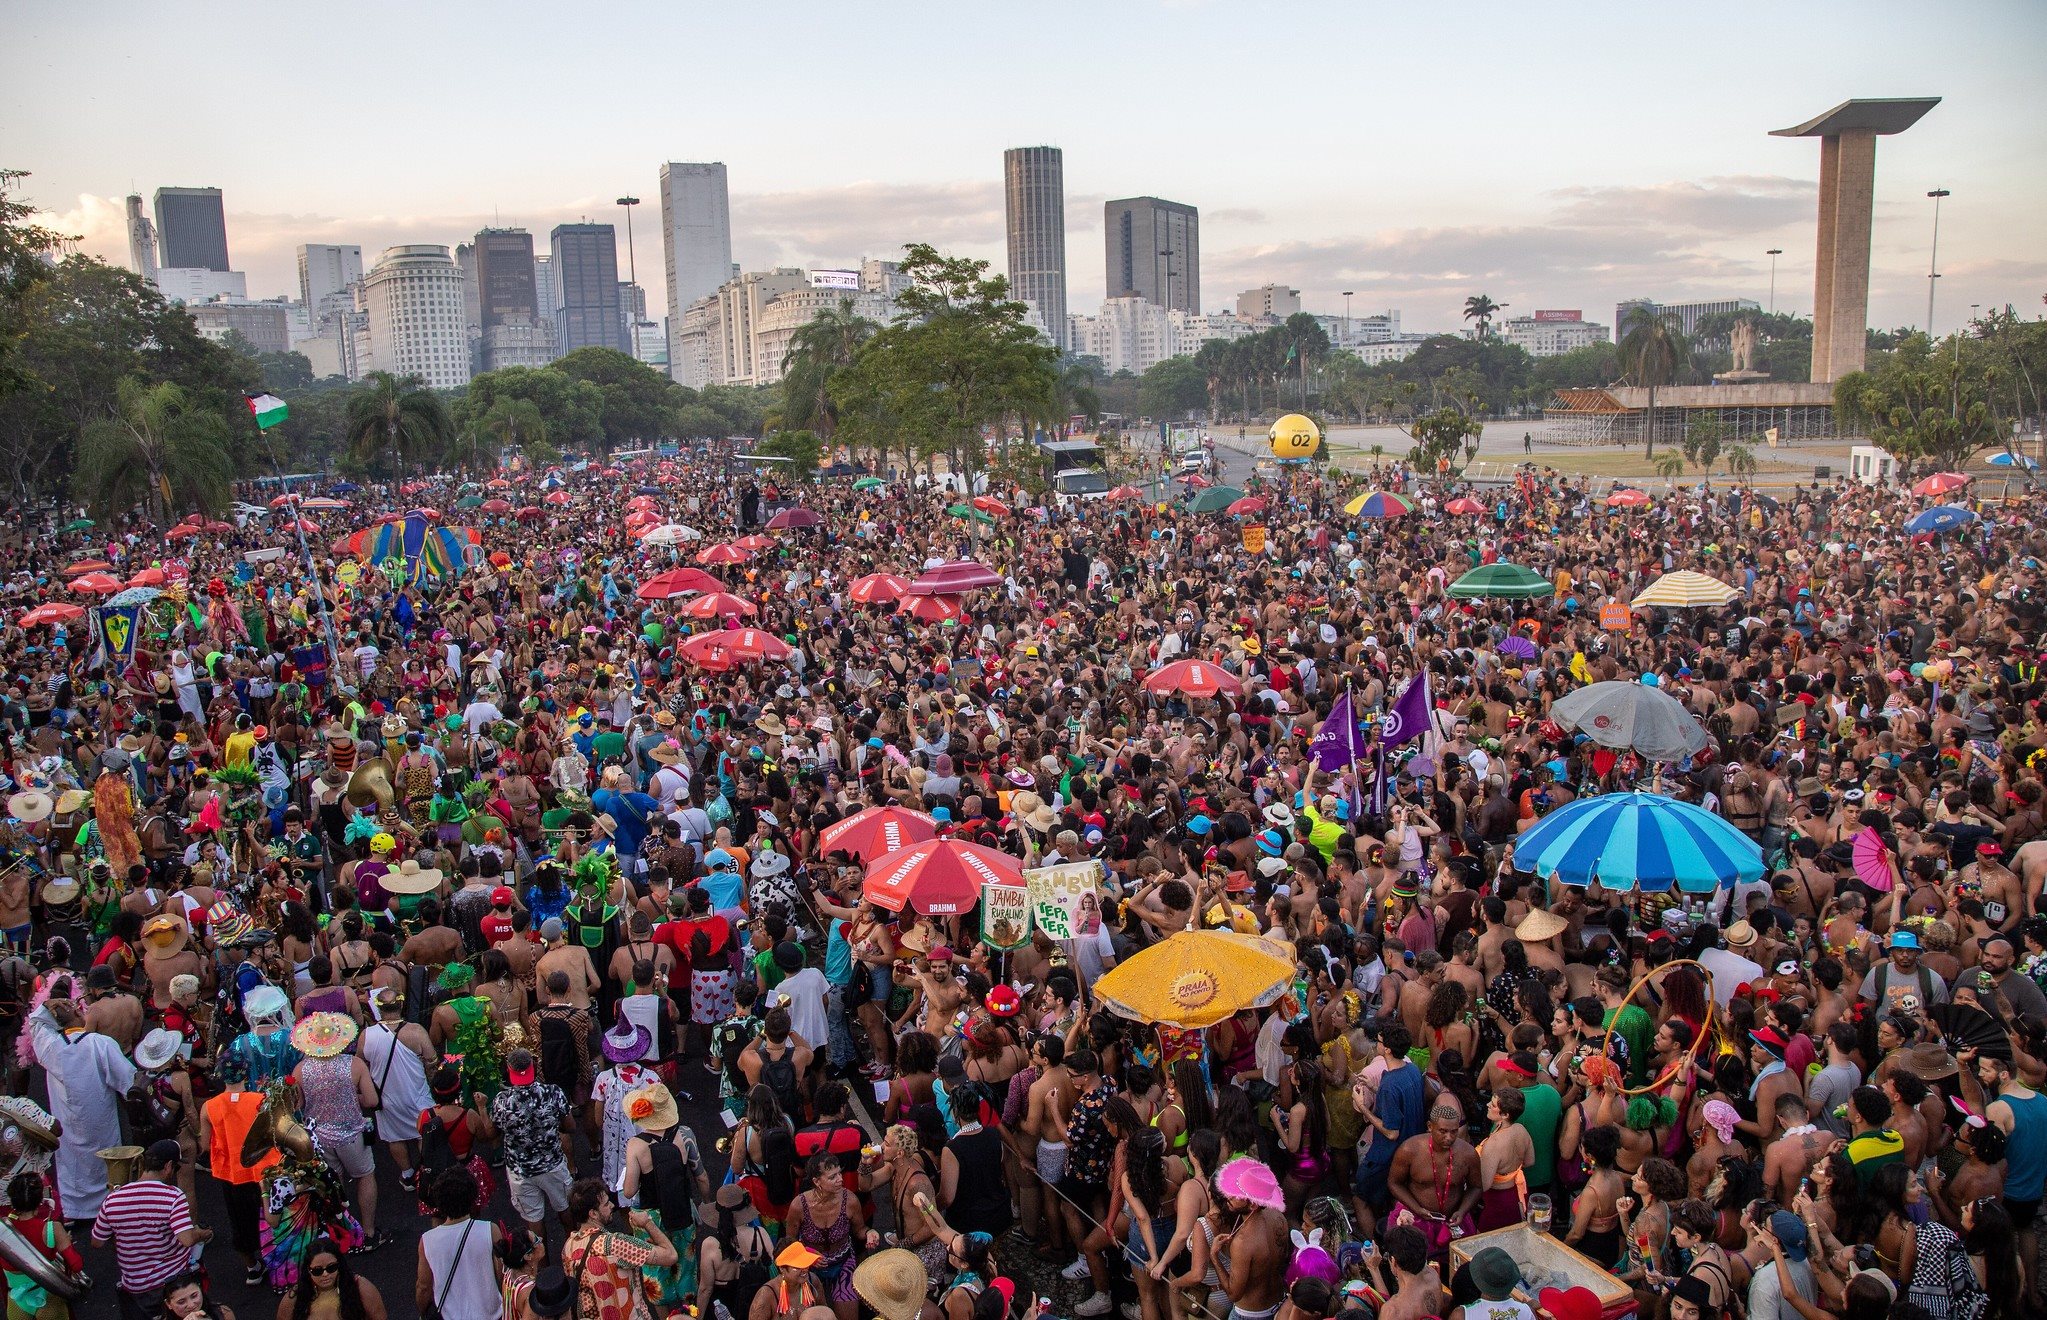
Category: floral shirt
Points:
column 608, row 1265
column 529, row 1120
column 1090, row 1147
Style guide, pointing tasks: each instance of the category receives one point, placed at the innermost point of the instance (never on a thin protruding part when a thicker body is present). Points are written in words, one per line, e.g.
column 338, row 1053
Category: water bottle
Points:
column 718, row 1309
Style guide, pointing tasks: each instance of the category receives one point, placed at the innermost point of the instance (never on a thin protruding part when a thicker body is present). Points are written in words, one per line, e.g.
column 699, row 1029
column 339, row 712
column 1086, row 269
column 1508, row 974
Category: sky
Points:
column 1550, row 156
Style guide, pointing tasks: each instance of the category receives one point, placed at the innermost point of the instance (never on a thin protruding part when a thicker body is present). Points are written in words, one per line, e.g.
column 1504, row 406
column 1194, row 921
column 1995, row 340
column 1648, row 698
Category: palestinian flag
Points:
column 269, row 410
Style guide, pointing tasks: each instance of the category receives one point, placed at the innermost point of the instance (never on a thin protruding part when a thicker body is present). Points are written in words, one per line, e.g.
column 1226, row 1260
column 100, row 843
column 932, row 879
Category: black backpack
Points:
column 779, row 1076
column 557, row 1051
column 778, row 1164
column 436, row 1155
column 733, row 1037
column 674, row 1189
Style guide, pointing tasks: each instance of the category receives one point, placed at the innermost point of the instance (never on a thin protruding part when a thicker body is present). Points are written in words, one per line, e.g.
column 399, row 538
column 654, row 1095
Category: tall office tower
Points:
column 696, row 236
column 586, row 288
column 543, row 287
column 191, row 228
column 504, row 277
column 416, row 322
column 325, row 271
column 1034, row 204
column 141, row 239
column 1152, row 250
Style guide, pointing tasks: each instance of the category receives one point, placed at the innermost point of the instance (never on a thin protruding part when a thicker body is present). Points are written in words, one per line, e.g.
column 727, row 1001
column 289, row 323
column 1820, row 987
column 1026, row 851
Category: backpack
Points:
column 1883, row 980
column 674, row 1190
column 732, row 1038
column 436, row 1154
column 778, row 1164
column 779, row 1076
column 557, row 1051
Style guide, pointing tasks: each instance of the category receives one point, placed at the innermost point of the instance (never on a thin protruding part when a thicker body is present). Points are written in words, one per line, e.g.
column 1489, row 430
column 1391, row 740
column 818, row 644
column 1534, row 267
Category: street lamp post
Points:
column 1933, row 259
column 632, row 260
column 1773, row 254
column 1346, row 318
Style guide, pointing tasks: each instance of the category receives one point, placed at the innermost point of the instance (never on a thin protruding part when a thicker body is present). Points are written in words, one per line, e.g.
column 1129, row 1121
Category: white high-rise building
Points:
column 543, row 287
column 1136, row 334
column 141, row 239
column 325, row 272
column 417, row 324
column 696, row 240
column 1552, row 333
column 198, row 284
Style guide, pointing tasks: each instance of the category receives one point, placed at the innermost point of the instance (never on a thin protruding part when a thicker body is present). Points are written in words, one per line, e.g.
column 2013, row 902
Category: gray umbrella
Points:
column 1628, row 714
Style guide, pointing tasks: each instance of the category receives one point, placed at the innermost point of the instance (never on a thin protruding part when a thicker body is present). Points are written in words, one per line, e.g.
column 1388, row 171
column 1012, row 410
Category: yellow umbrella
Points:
column 1685, row 590
column 1196, row 978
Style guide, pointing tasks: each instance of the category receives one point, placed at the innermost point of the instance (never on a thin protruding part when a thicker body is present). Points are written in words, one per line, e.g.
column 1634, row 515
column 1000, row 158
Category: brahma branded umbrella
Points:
column 670, row 534
column 55, row 611
column 940, row 877
column 1197, row 978
column 931, row 609
column 96, row 584
column 950, row 579
column 717, row 605
column 677, row 582
column 723, row 553
column 876, row 832
column 1627, row 497
column 1193, row 678
column 1940, row 483
column 1623, row 713
column 723, row 648
column 1250, row 504
column 1639, row 841
column 1123, row 493
column 989, row 504
column 877, row 588
column 1464, row 505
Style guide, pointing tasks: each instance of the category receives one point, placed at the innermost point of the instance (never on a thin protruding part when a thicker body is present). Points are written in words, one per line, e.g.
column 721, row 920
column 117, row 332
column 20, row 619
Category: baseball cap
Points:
column 162, row 1154
column 501, row 896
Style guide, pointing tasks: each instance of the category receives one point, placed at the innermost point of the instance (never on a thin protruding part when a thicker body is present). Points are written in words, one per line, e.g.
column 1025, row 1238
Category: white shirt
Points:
column 1727, row 970
column 468, row 1281
column 804, row 994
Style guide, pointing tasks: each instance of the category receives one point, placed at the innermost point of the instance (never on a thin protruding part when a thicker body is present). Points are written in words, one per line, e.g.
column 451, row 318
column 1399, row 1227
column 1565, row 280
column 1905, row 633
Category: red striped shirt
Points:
column 143, row 1219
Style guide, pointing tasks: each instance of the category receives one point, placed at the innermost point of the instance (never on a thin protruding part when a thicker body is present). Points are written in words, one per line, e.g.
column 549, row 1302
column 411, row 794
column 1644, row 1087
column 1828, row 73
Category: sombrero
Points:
column 411, row 878
column 324, row 1035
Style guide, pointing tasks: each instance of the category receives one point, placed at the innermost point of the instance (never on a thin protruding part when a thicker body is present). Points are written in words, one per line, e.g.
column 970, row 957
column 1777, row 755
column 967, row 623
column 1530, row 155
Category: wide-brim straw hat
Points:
column 893, row 1282
column 30, row 806
column 651, row 1108
column 410, row 878
column 1539, row 925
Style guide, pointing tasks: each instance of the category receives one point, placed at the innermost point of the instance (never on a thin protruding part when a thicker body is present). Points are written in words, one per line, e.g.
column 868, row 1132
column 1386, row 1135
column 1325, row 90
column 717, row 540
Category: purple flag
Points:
column 1335, row 744
column 1409, row 718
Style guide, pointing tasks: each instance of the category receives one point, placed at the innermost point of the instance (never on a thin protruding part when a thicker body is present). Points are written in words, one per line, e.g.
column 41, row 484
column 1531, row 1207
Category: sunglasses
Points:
column 317, row 1270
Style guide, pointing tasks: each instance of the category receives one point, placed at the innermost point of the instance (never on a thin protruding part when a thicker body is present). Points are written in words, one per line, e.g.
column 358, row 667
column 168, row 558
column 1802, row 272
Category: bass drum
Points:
column 21, row 1257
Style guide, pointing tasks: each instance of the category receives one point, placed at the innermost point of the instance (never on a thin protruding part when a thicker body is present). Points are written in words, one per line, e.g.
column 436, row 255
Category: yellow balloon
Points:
column 1295, row 436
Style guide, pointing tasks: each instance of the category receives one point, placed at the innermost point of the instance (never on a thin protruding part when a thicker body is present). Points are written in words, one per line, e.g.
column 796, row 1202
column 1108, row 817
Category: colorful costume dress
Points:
column 305, row 1200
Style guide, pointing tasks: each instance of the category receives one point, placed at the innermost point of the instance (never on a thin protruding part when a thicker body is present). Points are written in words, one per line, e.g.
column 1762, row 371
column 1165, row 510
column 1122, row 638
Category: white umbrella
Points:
column 1627, row 714
column 670, row 534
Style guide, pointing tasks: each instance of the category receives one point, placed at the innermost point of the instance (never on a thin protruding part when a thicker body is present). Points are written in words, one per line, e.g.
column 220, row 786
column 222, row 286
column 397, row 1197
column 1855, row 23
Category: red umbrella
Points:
column 86, row 566
column 877, row 588
column 1940, row 483
column 498, row 483
column 499, row 559
column 1464, row 504
column 722, row 649
column 789, row 518
column 555, row 497
column 723, row 553
column 1194, row 678
column 1627, row 498
column 181, row 532
column 497, row 506
column 1249, row 504
column 302, row 525
column 412, row 488
column 953, row 578
column 1126, row 493
column 152, row 577
column 96, row 584
column 529, row 513
column 876, row 832
column 989, row 504
column 212, row 525
column 716, row 605
column 677, row 582
column 431, row 515
column 931, row 609
column 640, row 502
column 756, row 541
column 57, row 611
column 941, row 876
column 1195, row 481
column 283, row 500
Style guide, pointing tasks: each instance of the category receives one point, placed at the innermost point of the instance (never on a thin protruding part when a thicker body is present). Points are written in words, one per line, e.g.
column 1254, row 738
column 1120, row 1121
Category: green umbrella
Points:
column 1214, row 499
column 79, row 525
column 969, row 511
column 869, row 483
column 1501, row 581
column 469, row 502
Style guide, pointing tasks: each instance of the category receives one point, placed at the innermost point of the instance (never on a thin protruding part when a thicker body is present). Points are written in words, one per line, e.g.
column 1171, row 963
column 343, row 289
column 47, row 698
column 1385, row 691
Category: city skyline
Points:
column 1412, row 197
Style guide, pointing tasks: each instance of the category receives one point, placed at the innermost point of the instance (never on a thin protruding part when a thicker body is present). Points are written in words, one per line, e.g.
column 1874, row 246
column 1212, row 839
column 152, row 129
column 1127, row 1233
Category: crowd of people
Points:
column 500, row 892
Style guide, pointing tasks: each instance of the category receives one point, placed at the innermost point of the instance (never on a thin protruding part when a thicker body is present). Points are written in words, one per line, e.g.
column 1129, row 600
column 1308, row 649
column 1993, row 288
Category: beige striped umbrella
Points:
column 1685, row 590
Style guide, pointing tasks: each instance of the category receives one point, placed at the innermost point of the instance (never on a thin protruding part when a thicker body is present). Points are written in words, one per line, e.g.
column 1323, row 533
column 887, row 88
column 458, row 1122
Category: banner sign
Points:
column 1254, row 538
column 835, row 279
column 1615, row 617
column 120, row 626
column 1572, row 314
column 1064, row 897
column 1005, row 916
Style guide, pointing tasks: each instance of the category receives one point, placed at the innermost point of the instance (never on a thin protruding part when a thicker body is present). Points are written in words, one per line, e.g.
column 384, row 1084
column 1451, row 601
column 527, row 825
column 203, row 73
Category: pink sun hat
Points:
column 1246, row 1179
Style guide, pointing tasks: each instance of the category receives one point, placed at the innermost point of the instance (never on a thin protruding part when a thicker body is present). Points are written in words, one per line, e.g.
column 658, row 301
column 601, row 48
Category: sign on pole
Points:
column 1005, row 916
column 1063, row 897
column 1614, row 617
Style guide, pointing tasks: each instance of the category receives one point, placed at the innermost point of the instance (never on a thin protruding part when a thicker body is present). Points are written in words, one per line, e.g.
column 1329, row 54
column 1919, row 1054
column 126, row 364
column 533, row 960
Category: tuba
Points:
column 371, row 782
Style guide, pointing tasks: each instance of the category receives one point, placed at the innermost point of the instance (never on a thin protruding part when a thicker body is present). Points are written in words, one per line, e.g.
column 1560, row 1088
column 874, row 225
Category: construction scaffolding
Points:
column 1618, row 416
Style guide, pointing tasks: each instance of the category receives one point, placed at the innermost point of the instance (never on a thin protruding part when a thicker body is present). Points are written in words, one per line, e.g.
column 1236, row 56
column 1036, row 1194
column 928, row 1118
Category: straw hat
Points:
column 1540, row 925
column 651, row 1108
column 30, row 806
column 893, row 1282
column 164, row 932
column 72, row 800
column 771, row 723
column 324, row 1035
column 731, row 1197
column 411, row 878
column 605, row 825
column 666, row 753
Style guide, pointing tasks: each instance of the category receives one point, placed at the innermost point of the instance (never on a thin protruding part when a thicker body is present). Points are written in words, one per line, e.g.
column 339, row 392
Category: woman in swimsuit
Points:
column 1645, row 1223
column 916, row 1070
column 1187, row 1109
column 1502, row 1156
column 1595, row 1214
column 826, row 1218
column 1193, row 1230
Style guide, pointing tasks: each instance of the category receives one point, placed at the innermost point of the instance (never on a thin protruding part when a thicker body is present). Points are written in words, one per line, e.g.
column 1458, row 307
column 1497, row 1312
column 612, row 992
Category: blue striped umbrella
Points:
column 1638, row 841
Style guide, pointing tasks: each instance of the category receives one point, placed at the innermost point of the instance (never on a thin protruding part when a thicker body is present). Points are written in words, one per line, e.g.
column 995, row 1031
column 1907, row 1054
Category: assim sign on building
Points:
column 1572, row 314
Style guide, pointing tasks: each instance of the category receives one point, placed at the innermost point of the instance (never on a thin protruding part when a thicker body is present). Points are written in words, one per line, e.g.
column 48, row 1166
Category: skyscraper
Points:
column 191, row 228
column 696, row 234
column 141, row 239
column 504, row 278
column 1153, row 251
column 543, row 288
column 325, row 270
column 1034, row 203
column 416, row 322
column 586, row 288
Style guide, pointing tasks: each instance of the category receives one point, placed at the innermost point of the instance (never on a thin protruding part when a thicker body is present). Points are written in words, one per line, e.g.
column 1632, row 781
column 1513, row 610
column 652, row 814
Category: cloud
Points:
column 1728, row 206
column 837, row 225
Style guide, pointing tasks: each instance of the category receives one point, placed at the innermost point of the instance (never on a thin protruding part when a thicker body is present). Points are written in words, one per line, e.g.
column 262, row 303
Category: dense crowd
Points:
column 511, row 880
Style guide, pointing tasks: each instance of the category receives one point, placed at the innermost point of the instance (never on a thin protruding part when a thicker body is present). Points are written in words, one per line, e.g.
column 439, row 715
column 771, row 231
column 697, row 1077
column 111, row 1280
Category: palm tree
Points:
column 1480, row 308
column 159, row 449
column 819, row 350
column 398, row 415
column 1670, row 465
column 1652, row 349
column 1741, row 461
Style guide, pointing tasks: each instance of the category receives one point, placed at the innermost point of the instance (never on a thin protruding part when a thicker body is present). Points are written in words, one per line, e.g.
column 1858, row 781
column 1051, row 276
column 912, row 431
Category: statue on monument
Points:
column 1743, row 342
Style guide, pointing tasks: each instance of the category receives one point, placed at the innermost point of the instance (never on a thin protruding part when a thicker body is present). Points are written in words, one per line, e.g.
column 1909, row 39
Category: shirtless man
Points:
column 435, row 945
column 1773, row 1079
column 1907, row 1093
column 942, row 995
column 160, row 964
column 1251, row 1255
column 1799, row 1142
column 112, row 1011
column 1417, row 1289
column 1435, row 1175
column 1043, row 1133
column 1491, row 961
column 1414, row 996
column 571, row 959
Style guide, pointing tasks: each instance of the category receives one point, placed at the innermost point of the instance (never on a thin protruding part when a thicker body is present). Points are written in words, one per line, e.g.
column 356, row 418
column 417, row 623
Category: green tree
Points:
column 1924, row 402
column 396, row 419
column 1448, row 434
column 1741, row 461
column 1670, row 465
column 636, row 404
column 159, row 449
column 285, row 374
column 819, row 350
column 516, row 424
column 571, row 407
column 1652, row 350
column 1174, row 387
column 803, row 448
column 1480, row 309
column 1704, row 439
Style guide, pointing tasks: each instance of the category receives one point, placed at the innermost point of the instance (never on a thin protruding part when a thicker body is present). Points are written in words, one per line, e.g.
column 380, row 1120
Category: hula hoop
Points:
column 1691, row 1055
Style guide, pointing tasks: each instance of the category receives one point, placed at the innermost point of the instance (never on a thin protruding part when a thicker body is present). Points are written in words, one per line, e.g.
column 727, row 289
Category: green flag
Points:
column 269, row 410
